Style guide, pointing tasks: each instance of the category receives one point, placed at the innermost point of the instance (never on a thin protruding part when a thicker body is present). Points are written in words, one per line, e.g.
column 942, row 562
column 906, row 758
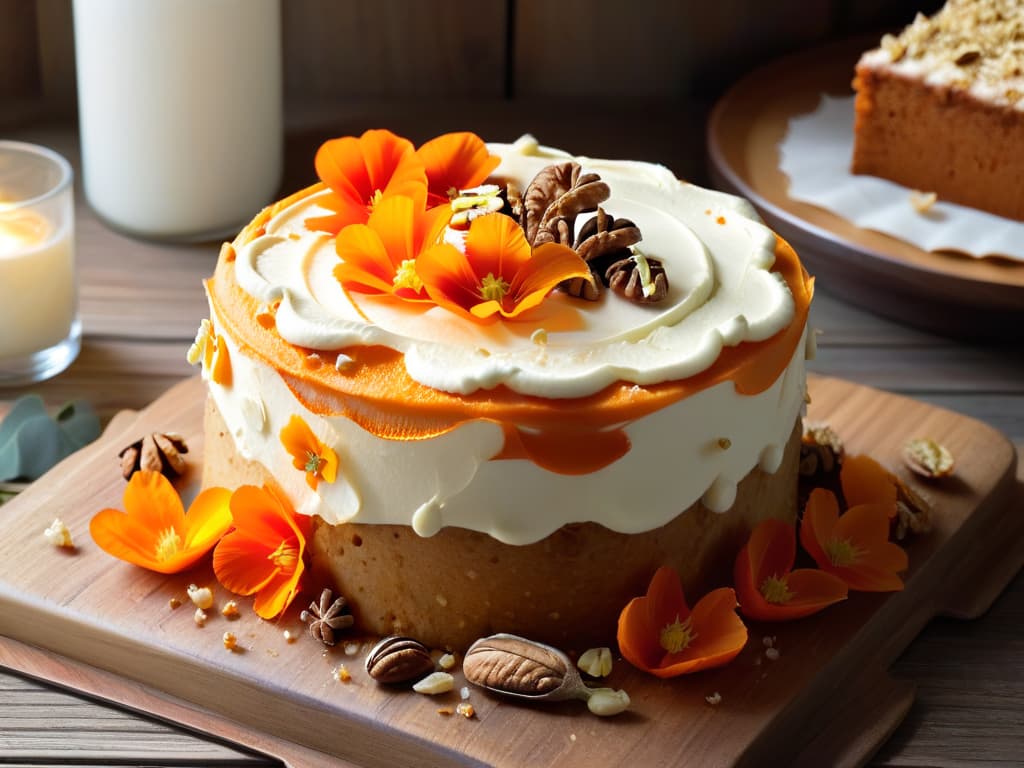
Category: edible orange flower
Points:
column 855, row 546
column 768, row 587
column 263, row 554
column 361, row 172
column 498, row 273
column 154, row 532
column 865, row 481
column 317, row 459
column 453, row 162
column 659, row 634
column 380, row 256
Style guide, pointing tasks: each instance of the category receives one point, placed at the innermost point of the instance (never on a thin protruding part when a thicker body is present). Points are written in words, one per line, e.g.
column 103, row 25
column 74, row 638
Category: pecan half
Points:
column 559, row 192
column 158, row 452
column 398, row 660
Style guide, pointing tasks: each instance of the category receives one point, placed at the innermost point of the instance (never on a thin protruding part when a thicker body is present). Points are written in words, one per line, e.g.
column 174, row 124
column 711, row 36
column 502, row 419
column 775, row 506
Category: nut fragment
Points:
column 922, row 202
column 466, row 710
column 230, row 610
column 58, row 534
column 596, row 662
column 607, row 701
column 435, row 683
column 714, row 699
column 928, row 458
column 199, row 617
column 230, row 641
column 201, row 597
column 398, row 659
column 342, row 674
column 446, row 662
column 913, row 513
column 157, row 452
column 638, row 278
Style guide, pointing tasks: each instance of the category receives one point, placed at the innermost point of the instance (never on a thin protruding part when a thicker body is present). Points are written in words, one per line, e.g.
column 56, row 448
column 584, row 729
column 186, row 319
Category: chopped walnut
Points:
column 922, row 202
column 58, row 534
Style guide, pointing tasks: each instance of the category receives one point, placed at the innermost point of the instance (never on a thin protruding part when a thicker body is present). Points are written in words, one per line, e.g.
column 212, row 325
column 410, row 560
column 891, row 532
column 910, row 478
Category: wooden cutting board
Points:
column 826, row 700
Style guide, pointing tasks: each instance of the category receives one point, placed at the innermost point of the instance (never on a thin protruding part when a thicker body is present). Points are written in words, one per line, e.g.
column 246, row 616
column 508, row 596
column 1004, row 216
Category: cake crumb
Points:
column 230, row 610
column 441, row 600
column 289, row 636
column 466, row 710
column 446, row 711
column 772, row 654
column 922, row 202
column 714, row 699
column 199, row 617
column 313, row 361
column 464, row 692
column 539, row 337
column 174, row 603
column 351, row 649
column 58, row 534
column 342, row 675
column 768, row 641
column 724, row 443
column 471, row 574
column 342, row 361
column 572, row 737
column 230, row 641
column 446, row 662
column 201, row 597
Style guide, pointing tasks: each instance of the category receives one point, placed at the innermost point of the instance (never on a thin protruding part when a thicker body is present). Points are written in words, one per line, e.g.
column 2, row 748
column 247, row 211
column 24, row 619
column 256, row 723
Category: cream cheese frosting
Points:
column 718, row 255
column 716, row 251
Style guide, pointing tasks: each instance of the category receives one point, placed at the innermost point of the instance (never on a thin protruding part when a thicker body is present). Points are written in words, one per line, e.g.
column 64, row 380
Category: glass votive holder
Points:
column 40, row 333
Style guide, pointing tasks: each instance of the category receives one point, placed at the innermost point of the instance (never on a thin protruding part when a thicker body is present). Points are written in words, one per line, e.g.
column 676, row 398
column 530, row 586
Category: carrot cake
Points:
column 507, row 383
column 940, row 107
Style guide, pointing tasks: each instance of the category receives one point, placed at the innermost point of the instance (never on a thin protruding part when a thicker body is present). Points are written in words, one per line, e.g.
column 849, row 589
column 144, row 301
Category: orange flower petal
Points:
column 304, row 446
column 448, row 278
column 365, row 265
column 496, row 245
column 208, row 518
column 455, row 161
column 154, row 532
column 277, row 594
column 241, row 563
column 812, row 591
column 261, row 515
column 820, row 517
column 221, row 371
column 771, row 549
column 549, row 265
column 865, row 481
column 719, row 635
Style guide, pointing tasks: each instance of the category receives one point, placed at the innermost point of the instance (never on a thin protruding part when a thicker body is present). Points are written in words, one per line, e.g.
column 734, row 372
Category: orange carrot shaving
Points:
column 659, row 634
column 154, row 532
column 768, row 587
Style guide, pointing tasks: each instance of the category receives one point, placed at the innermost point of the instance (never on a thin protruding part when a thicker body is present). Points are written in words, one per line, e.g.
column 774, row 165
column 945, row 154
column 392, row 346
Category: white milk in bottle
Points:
column 179, row 112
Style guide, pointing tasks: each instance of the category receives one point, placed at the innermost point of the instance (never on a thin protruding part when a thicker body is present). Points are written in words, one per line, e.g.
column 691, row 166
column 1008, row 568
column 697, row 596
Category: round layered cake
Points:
column 505, row 407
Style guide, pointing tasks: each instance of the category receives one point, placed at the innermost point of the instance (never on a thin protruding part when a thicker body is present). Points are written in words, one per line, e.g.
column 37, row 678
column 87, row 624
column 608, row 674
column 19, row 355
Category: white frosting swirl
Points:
column 716, row 252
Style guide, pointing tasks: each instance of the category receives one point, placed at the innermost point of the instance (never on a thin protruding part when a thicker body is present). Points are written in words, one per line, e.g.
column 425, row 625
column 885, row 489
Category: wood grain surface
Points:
column 969, row 704
column 116, row 617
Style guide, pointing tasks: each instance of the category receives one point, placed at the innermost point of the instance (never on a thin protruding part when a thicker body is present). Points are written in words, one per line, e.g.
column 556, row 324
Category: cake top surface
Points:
column 714, row 250
column 972, row 45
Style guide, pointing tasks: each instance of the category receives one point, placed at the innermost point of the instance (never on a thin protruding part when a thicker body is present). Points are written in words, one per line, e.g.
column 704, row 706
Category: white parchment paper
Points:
column 815, row 155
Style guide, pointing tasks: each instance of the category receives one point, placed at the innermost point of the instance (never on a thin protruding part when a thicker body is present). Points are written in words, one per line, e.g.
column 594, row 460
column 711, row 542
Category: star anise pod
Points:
column 326, row 616
column 559, row 192
column 638, row 278
column 158, row 452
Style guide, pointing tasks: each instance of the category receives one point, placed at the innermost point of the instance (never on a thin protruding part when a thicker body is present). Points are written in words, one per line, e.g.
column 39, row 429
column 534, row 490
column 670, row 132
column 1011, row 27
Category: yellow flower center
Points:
column 776, row 590
column 493, row 288
column 842, row 552
column 285, row 557
column 313, row 463
column 374, row 199
column 168, row 544
column 406, row 277
column 677, row 636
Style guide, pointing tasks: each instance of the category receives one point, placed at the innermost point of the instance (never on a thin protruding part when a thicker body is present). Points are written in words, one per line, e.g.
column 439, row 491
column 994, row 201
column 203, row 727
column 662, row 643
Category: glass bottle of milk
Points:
column 180, row 113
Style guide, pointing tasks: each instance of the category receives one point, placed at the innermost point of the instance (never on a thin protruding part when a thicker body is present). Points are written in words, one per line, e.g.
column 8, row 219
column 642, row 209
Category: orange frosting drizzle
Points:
column 568, row 436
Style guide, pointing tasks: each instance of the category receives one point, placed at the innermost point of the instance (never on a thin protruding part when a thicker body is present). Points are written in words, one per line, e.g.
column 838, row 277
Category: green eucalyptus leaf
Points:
column 34, row 447
column 79, row 424
column 25, row 407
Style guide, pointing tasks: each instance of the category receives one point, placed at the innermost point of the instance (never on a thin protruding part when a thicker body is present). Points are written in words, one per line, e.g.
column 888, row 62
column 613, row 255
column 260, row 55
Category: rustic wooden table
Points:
column 141, row 304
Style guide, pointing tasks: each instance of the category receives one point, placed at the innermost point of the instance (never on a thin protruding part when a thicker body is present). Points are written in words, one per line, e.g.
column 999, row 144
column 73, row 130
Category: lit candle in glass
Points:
column 40, row 334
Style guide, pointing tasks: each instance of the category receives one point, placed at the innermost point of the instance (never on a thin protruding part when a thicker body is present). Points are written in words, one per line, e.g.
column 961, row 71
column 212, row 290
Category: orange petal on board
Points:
column 277, row 594
column 865, row 481
column 820, row 517
column 719, row 636
column 153, row 532
column 867, row 527
column 455, row 161
column 769, row 553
